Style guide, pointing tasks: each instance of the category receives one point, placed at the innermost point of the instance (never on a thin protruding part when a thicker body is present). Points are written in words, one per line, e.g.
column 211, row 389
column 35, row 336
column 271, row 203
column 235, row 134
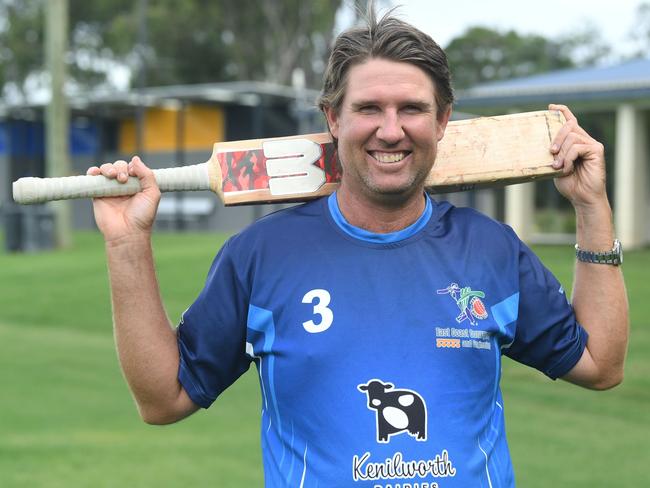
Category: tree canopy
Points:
column 192, row 41
column 641, row 31
column 483, row 54
column 195, row 41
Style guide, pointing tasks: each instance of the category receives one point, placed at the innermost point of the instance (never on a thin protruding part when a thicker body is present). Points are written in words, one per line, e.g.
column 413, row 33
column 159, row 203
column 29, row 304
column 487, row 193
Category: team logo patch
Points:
column 468, row 301
column 397, row 411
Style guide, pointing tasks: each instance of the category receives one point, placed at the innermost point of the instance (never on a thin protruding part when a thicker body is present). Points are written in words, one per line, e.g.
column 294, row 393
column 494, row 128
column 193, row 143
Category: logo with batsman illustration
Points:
column 468, row 301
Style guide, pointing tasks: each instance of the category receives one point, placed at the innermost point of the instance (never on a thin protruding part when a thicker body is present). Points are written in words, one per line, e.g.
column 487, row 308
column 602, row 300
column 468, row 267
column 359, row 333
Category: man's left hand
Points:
column 582, row 160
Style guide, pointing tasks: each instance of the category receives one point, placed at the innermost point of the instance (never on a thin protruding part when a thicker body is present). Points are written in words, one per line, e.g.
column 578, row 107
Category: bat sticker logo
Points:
column 290, row 166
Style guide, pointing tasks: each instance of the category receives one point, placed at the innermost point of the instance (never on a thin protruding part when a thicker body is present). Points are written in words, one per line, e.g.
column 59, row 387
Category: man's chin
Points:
column 396, row 188
column 395, row 193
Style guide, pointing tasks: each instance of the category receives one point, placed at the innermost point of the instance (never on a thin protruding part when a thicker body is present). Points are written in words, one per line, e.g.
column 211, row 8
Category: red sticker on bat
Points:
column 284, row 167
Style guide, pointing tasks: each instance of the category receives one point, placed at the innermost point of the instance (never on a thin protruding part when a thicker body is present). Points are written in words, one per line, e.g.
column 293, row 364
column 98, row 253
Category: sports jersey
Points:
column 378, row 355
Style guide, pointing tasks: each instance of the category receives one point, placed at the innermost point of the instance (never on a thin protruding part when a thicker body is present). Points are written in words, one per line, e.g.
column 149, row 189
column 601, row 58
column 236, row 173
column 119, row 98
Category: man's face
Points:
column 387, row 130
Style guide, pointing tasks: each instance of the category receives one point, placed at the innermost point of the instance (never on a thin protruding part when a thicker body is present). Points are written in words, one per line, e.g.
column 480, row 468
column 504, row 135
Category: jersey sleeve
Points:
column 547, row 336
column 212, row 333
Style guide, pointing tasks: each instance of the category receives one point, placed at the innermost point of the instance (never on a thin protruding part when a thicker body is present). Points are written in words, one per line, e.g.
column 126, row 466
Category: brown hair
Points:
column 387, row 38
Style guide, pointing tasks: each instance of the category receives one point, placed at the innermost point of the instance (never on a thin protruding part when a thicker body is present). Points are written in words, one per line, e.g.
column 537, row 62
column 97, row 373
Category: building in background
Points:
column 177, row 125
column 613, row 104
column 166, row 126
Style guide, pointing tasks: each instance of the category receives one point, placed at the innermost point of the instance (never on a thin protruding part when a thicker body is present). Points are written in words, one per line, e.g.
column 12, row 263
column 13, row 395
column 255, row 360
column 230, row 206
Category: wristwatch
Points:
column 613, row 257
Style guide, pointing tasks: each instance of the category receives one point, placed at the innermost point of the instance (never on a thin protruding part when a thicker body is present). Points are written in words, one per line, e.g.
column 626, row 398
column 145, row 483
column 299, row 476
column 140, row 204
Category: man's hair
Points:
column 387, row 38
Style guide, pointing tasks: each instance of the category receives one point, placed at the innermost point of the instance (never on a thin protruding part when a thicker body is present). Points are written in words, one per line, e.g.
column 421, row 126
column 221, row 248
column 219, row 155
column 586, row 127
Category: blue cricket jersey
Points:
column 379, row 355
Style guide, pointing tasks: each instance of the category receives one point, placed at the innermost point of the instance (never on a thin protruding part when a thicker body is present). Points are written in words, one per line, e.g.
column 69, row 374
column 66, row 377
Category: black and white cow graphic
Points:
column 397, row 410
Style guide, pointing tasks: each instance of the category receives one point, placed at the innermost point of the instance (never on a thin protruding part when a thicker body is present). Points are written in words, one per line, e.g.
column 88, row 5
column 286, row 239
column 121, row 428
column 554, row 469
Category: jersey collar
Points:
column 364, row 235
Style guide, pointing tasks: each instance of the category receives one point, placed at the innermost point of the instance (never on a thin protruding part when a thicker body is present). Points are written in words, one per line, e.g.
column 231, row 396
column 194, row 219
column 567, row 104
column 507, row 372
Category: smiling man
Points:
column 349, row 305
column 383, row 130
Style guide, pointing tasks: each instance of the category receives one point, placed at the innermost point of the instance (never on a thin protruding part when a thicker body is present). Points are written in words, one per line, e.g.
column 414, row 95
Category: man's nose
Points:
column 390, row 128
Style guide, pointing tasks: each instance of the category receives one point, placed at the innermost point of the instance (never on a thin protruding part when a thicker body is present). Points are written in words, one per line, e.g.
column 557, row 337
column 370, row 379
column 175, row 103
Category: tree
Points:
column 192, row 41
column 184, row 39
column 274, row 37
column 641, row 30
column 585, row 46
column 482, row 54
column 21, row 44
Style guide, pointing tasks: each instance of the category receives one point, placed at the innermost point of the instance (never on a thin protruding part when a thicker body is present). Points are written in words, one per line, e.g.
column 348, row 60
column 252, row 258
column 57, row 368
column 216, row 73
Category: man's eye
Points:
column 368, row 109
column 412, row 109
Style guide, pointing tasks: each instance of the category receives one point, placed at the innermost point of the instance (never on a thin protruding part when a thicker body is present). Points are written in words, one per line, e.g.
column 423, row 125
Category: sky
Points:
column 444, row 20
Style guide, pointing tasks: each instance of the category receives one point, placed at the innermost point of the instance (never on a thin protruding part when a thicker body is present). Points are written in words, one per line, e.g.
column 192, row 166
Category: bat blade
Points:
column 494, row 151
column 475, row 153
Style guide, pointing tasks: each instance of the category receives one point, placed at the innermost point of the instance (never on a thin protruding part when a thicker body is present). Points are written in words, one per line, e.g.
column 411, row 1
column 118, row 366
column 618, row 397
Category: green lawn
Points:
column 67, row 420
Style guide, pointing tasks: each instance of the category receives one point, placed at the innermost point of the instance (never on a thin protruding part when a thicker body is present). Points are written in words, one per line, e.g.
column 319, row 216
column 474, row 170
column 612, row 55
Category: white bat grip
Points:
column 37, row 190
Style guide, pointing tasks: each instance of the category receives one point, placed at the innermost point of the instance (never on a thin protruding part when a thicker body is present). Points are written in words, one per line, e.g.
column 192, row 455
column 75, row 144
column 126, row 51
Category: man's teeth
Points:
column 388, row 157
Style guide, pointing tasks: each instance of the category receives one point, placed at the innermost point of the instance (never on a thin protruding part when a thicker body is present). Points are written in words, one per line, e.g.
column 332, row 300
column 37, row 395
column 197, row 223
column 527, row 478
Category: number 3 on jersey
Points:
column 320, row 299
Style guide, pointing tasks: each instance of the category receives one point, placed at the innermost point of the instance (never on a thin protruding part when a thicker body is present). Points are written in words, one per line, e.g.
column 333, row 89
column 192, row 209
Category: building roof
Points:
column 241, row 92
column 247, row 93
column 628, row 81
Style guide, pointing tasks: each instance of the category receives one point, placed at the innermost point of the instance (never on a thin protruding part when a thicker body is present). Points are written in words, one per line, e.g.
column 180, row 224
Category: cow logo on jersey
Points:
column 396, row 410
column 468, row 301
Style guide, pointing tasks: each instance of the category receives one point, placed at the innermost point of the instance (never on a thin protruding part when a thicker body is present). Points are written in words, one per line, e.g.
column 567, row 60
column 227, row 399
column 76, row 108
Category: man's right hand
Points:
column 146, row 342
column 126, row 217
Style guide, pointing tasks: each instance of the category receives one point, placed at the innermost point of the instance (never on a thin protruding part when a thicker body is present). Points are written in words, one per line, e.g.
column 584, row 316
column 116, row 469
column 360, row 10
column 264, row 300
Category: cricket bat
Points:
column 474, row 153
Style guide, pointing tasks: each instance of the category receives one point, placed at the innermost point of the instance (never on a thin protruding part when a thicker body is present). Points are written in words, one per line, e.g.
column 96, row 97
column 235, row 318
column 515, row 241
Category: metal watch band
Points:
column 613, row 257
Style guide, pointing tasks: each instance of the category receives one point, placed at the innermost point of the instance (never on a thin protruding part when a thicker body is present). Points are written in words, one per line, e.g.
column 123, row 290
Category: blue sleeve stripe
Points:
column 506, row 312
column 261, row 320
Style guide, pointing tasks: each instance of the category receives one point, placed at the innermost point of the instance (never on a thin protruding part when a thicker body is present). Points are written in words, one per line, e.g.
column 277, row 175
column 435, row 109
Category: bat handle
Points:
column 38, row 190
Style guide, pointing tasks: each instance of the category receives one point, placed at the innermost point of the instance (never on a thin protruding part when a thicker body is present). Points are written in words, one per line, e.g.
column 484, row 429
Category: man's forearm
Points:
column 146, row 342
column 599, row 297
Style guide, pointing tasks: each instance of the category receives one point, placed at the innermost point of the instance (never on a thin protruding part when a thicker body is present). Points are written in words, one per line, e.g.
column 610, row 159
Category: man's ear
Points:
column 332, row 117
column 442, row 123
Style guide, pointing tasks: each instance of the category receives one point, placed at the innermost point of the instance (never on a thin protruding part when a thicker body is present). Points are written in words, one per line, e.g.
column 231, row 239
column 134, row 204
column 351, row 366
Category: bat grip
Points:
column 38, row 190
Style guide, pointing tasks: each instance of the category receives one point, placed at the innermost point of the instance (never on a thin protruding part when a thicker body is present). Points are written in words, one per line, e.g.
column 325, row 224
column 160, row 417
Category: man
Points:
column 349, row 305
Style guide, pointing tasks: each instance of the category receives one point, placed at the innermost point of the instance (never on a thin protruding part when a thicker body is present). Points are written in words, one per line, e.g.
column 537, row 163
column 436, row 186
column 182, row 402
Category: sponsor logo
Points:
column 472, row 309
column 396, row 411
column 397, row 467
column 468, row 301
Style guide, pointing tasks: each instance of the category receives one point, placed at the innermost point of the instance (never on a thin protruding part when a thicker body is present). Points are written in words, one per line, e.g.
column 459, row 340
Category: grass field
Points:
column 67, row 420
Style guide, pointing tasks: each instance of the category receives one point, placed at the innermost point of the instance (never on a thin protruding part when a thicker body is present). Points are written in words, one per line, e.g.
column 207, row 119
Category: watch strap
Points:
column 613, row 257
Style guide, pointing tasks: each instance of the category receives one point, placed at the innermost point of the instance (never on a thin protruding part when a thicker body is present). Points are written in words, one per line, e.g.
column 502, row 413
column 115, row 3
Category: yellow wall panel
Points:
column 204, row 125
